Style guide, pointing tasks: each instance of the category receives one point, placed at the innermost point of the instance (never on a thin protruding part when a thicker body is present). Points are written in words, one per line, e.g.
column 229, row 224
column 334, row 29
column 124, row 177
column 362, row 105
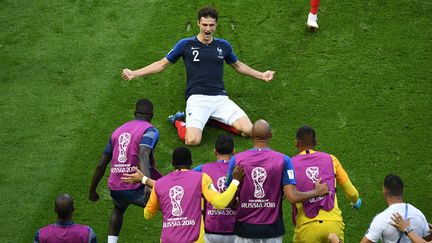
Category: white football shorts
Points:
column 215, row 238
column 239, row 239
column 201, row 108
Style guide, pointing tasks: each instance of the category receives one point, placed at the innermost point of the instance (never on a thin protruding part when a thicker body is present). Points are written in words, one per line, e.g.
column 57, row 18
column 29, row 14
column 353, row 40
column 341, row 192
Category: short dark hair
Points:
column 181, row 157
column 64, row 206
column 394, row 185
column 224, row 144
column 144, row 107
column 306, row 136
column 208, row 12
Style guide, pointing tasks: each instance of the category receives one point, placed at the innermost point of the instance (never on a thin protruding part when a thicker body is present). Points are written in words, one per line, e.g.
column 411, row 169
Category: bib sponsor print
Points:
column 218, row 220
column 260, row 193
column 179, row 196
column 125, row 141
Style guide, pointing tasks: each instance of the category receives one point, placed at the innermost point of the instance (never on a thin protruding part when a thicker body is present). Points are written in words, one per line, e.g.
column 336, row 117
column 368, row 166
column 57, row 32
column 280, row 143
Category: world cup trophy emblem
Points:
column 123, row 141
column 312, row 173
column 259, row 175
column 221, row 184
column 176, row 194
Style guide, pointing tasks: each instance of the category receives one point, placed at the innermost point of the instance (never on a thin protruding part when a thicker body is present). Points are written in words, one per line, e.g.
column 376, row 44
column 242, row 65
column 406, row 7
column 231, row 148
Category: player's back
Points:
column 73, row 233
column 260, row 194
column 179, row 195
column 125, row 141
column 218, row 220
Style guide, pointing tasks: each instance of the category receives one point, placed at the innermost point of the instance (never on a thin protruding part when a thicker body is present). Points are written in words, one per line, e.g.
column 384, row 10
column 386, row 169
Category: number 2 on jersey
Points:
column 195, row 53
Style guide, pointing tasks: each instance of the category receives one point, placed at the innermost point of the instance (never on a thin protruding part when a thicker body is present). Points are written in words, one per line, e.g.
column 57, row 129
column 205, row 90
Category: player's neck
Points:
column 304, row 148
column 201, row 39
column 224, row 157
column 143, row 117
column 394, row 200
column 261, row 144
column 182, row 167
column 69, row 219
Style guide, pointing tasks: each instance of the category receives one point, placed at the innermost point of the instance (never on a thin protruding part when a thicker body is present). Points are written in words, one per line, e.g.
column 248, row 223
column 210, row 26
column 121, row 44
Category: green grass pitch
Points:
column 363, row 81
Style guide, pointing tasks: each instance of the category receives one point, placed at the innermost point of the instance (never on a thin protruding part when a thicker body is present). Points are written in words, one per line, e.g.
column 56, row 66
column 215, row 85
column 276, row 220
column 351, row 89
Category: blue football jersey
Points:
column 204, row 64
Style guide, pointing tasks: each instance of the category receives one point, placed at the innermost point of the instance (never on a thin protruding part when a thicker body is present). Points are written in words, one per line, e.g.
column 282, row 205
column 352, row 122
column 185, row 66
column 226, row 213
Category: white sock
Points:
column 313, row 16
column 112, row 239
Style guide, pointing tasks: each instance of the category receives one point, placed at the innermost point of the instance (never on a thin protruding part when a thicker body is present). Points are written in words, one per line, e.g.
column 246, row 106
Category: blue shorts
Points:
column 123, row 198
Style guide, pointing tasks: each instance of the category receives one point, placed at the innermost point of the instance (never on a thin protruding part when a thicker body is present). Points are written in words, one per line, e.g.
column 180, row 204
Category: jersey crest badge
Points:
column 220, row 54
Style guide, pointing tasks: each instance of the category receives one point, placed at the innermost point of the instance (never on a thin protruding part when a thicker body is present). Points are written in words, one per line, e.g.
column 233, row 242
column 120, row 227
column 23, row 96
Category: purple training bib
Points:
column 125, row 141
column 179, row 195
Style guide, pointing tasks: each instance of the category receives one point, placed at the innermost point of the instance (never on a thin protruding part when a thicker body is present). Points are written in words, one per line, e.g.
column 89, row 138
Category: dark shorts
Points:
column 122, row 199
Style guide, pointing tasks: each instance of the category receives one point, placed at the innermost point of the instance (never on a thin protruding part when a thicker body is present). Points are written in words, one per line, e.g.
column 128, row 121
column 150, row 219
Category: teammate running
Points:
column 131, row 145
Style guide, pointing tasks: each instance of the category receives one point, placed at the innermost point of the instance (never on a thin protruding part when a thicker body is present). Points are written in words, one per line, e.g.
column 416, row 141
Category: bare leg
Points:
column 244, row 125
column 224, row 126
column 116, row 222
column 193, row 136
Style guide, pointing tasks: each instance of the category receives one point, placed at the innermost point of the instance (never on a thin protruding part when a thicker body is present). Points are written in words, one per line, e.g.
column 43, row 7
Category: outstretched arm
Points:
column 220, row 201
column 343, row 180
column 155, row 67
column 242, row 68
column 295, row 196
column 350, row 191
column 97, row 176
column 137, row 177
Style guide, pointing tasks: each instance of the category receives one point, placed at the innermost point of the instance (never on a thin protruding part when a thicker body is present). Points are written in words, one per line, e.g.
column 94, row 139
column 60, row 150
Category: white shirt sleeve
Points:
column 375, row 230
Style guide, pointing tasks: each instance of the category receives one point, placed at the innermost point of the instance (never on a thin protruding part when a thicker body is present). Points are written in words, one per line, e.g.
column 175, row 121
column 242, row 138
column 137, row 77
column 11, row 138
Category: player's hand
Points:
column 321, row 188
column 127, row 74
column 399, row 222
column 133, row 178
column 268, row 76
column 333, row 238
column 238, row 173
column 358, row 204
column 93, row 196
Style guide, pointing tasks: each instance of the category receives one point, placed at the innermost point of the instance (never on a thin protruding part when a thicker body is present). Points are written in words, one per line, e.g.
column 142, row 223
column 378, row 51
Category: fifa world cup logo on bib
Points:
column 312, row 173
column 221, row 184
column 123, row 141
column 259, row 175
column 176, row 194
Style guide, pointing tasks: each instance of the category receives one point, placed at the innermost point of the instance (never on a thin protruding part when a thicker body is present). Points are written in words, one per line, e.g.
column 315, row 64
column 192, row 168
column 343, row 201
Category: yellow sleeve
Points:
column 350, row 191
column 152, row 205
column 341, row 175
column 343, row 180
column 219, row 201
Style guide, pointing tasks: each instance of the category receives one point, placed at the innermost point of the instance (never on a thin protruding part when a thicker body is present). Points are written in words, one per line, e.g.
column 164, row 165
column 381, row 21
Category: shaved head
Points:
column 64, row 206
column 261, row 130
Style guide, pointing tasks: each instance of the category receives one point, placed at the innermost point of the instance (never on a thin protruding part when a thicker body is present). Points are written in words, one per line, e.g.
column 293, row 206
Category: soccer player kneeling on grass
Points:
column 204, row 57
